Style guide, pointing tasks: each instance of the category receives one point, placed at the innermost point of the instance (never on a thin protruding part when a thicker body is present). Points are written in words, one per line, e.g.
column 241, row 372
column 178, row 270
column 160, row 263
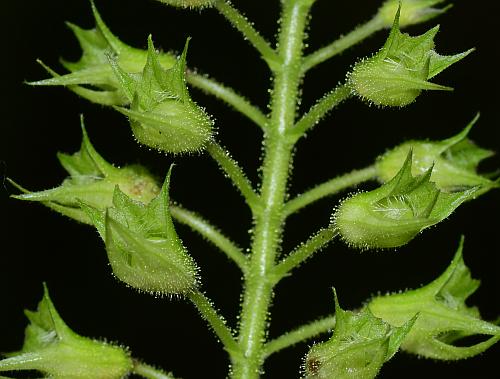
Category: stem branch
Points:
column 217, row 323
column 329, row 188
column 229, row 96
column 241, row 23
column 211, row 233
column 235, row 173
column 149, row 372
column 343, row 43
column 300, row 334
column 320, row 110
column 304, row 251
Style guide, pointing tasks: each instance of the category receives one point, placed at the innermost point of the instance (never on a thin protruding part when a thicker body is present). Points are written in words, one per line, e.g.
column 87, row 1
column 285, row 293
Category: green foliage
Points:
column 360, row 345
column 454, row 160
column 162, row 115
column 93, row 180
column 55, row 350
column 92, row 76
column 444, row 318
column 398, row 73
column 423, row 182
column 412, row 11
column 143, row 247
column 393, row 214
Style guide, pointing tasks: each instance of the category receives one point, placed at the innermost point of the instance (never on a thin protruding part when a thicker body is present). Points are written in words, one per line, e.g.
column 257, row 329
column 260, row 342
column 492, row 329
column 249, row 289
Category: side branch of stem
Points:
column 300, row 334
column 235, row 173
column 242, row 24
column 150, row 372
column 320, row 110
column 211, row 233
column 330, row 187
column 216, row 322
column 343, row 43
column 229, row 96
column 304, row 251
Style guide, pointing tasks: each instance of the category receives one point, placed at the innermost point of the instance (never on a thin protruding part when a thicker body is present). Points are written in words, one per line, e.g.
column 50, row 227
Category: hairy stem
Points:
column 241, row 23
column 235, row 173
column 275, row 170
column 343, row 43
column 217, row 323
column 304, row 251
column 149, row 372
column 228, row 95
column 320, row 110
column 210, row 232
column 300, row 334
column 329, row 188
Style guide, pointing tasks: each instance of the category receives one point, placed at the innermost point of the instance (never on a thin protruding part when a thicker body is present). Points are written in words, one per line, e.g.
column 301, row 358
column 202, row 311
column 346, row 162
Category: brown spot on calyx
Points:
column 313, row 365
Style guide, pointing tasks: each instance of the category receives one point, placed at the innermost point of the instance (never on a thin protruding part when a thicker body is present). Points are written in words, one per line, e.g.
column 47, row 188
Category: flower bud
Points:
column 92, row 76
column 55, row 350
column 93, row 181
column 454, row 160
column 143, row 247
column 162, row 115
column 412, row 11
column 360, row 345
column 189, row 3
column 393, row 214
column 398, row 73
column 444, row 318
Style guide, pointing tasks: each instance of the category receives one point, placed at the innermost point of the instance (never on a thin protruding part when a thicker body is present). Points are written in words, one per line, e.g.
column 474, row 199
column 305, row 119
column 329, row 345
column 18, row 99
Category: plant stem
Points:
column 300, row 334
column 304, row 251
column 320, row 109
column 241, row 23
column 228, row 95
column 217, row 323
column 211, row 233
column 275, row 170
column 329, row 188
column 235, row 173
column 343, row 43
column 149, row 372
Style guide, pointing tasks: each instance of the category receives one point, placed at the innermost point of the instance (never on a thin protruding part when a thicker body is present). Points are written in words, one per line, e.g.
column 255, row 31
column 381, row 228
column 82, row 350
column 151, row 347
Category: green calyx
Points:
column 55, row 350
column 360, row 345
column 412, row 11
column 444, row 318
column 162, row 114
column 92, row 76
column 92, row 180
column 189, row 3
column 401, row 70
column 454, row 161
column 393, row 214
column 143, row 247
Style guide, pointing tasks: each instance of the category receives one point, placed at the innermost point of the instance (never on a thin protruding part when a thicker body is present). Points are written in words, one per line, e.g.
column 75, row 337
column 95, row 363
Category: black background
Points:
column 39, row 245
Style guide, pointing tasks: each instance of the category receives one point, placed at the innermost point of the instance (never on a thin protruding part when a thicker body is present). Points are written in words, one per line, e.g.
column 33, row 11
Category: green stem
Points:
column 300, row 334
column 235, row 173
column 329, row 188
column 149, row 372
column 241, row 23
column 320, row 109
column 275, row 170
column 304, row 251
column 217, row 323
column 211, row 233
column 343, row 43
column 228, row 95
